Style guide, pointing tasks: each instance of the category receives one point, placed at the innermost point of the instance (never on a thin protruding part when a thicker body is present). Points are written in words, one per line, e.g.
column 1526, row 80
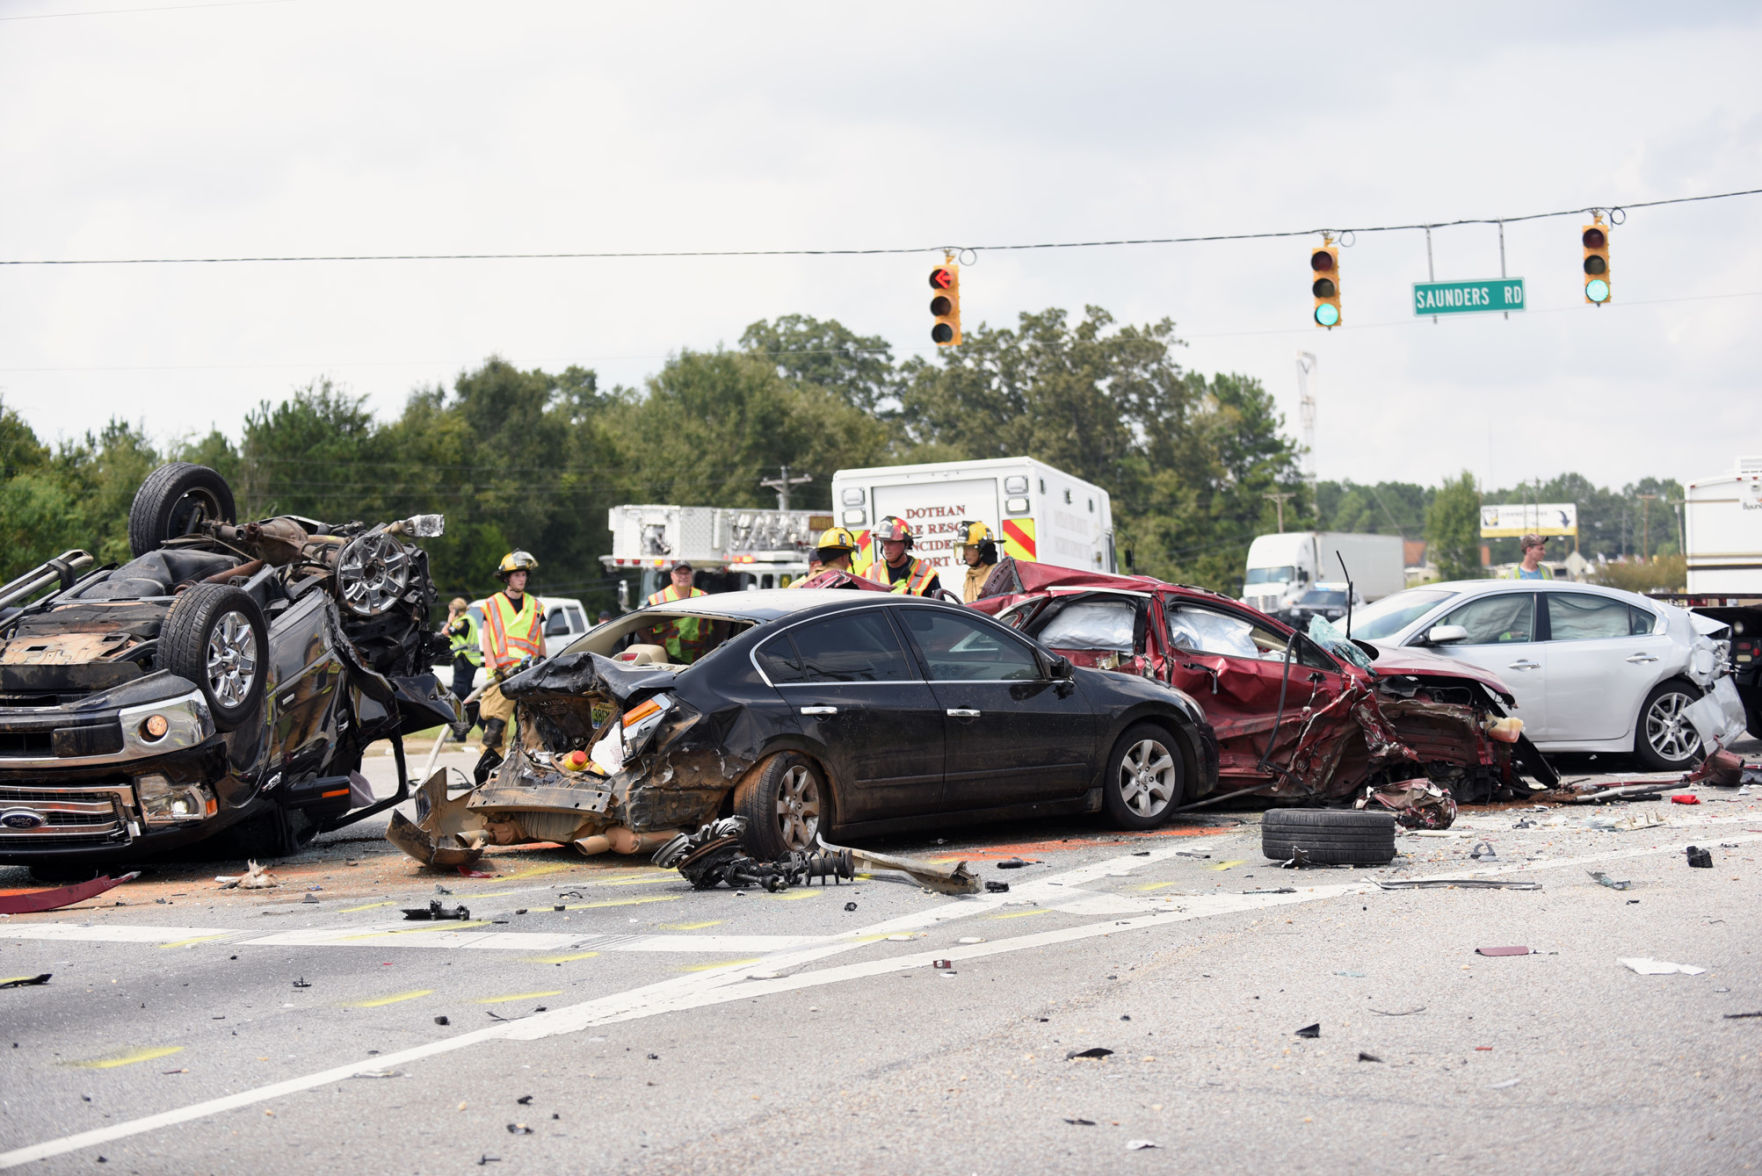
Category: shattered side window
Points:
column 1204, row 631
column 1501, row 619
column 1092, row 624
column 1333, row 639
column 852, row 647
column 1579, row 616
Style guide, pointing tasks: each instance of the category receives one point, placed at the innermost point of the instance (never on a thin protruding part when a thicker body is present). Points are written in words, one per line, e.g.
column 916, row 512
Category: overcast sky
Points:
column 304, row 127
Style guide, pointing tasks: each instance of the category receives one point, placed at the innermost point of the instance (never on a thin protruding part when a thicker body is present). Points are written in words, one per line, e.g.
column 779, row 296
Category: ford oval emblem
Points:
column 22, row 819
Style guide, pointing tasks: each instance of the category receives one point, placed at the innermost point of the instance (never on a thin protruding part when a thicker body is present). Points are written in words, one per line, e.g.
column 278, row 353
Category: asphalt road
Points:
column 599, row 1015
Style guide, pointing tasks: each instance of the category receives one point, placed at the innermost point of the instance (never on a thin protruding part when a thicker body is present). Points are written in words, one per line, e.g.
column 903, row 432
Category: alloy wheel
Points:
column 1148, row 778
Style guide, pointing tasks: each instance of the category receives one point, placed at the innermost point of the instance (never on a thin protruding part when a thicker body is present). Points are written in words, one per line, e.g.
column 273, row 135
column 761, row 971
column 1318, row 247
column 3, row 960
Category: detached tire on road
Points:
column 1329, row 837
column 214, row 635
column 172, row 500
column 786, row 803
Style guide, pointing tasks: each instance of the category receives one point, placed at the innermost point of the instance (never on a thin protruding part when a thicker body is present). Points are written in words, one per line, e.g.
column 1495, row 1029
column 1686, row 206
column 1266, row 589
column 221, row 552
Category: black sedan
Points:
column 814, row 711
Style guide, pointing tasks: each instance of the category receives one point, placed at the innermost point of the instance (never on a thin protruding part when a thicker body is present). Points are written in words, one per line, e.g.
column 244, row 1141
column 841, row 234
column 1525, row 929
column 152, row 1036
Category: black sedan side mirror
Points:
column 1061, row 668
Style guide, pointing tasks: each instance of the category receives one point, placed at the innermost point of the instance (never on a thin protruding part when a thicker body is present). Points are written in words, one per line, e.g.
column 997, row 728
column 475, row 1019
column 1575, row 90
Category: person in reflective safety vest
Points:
column 682, row 636
column 513, row 634
column 897, row 567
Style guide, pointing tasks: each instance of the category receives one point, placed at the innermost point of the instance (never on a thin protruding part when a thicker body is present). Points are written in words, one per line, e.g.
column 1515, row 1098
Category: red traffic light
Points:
column 941, row 278
column 1595, row 238
column 1321, row 261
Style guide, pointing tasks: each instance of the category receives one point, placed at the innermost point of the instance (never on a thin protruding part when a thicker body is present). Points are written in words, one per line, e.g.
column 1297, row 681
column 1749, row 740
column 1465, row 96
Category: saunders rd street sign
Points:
column 1467, row 297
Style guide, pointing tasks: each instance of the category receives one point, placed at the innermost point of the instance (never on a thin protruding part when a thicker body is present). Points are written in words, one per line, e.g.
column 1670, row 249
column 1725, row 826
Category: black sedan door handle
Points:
column 819, row 710
column 962, row 713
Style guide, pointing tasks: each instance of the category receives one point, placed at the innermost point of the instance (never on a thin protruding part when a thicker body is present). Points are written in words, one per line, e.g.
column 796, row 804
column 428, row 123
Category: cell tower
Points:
column 1306, row 412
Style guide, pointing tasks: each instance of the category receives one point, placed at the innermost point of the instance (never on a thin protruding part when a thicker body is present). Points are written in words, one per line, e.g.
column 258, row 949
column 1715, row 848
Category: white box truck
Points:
column 1282, row 566
column 1037, row 512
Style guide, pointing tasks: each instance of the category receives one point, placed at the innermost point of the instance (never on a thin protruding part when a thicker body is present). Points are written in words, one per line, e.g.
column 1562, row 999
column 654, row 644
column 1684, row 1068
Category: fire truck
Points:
column 729, row 548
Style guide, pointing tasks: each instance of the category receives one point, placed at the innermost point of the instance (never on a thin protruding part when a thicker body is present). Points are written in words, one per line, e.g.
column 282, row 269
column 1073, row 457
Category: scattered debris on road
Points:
column 434, row 910
column 1094, row 1051
column 1310, row 1030
column 1605, row 880
column 255, row 877
column 1502, row 951
column 1646, row 967
column 1445, row 883
column 26, row 981
column 1699, row 858
column 35, row 901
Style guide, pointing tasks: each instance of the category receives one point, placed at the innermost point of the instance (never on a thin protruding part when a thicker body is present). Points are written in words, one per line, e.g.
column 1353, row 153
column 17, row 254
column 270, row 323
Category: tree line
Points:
column 532, row 459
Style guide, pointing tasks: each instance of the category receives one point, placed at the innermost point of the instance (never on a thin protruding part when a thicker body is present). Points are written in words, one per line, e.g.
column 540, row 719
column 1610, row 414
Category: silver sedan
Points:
column 1593, row 669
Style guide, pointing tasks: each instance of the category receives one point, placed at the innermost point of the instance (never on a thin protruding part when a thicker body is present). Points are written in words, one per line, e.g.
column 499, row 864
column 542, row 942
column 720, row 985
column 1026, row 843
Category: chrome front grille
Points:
column 37, row 816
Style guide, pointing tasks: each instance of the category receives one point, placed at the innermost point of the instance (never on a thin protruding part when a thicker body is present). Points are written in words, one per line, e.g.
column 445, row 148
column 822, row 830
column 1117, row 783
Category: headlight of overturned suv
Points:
column 608, row 757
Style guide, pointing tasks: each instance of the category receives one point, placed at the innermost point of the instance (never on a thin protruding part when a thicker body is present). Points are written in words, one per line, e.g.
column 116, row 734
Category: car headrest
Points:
column 643, row 655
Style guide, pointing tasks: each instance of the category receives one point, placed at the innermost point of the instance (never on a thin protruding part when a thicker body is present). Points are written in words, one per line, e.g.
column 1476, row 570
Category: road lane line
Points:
column 692, row 926
column 127, row 1059
column 195, row 939
column 561, row 959
column 618, row 902
column 370, row 906
column 380, row 1002
column 713, row 966
column 513, row 996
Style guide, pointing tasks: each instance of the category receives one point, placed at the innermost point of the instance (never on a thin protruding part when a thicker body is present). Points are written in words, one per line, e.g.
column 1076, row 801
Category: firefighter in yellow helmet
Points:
column 897, row 566
column 979, row 550
column 513, row 634
column 682, row 636
column 833, row 554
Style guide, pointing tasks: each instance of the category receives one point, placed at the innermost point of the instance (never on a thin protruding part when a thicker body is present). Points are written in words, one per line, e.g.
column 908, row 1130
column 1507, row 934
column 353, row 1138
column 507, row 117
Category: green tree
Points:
column 858, row 369
column 1453, row 529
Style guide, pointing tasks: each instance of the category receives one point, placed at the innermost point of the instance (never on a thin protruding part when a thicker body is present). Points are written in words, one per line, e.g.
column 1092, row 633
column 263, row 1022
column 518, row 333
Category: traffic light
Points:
column 945, row 304
column 1324, row 265
column 1596, row 238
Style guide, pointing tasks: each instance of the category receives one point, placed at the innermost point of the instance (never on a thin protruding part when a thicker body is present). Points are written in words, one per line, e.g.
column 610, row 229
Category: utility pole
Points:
column 1279, row 497
column 1306, row 413
column 782, row 483
column 1645, row 524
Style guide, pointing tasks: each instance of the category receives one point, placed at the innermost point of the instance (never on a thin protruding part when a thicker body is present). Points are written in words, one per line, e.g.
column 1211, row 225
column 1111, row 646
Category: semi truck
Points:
column 1036, row 512
column 1722, row 543
column 1281, row 567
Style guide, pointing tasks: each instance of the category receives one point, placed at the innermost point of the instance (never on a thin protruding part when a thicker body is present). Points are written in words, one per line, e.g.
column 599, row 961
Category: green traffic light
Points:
column 1597, row 290
column 1328, row 315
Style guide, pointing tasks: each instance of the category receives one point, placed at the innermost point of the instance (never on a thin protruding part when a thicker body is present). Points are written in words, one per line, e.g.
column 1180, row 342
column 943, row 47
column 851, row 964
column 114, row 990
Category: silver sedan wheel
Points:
column 1148, row 780
column 1668, row 730
column 798, row 807
column 232, row 659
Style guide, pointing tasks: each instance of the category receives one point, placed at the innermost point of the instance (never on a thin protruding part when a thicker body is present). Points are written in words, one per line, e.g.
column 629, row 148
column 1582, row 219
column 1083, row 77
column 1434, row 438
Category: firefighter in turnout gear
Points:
column 464, row 646
column 683, row 637
column 897, row 566
column 979, row 550
column 513, row 634
column 837, row 547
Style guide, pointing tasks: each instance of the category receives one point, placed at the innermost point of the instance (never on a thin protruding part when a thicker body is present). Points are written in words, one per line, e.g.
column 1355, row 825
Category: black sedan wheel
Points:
column 1666, row 741
column 214, row 635
column 1143, row 781
column 786, row 804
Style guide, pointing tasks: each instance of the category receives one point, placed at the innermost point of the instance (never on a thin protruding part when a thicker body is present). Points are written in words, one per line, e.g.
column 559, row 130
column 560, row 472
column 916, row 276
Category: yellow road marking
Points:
column 660, row 876
column 491, row 894
column 536, row 871
column 691, row 926
column 518, row 996
column 379, row 1002
column 1018, row 914
column 370, row 906
column 197, row 939
column 1227, row 865
column 1152, row 885
column 717, row 964
column 794, row 895
column 617, row 902
column 446, row 925
column 129, row 1059
column 561, row 959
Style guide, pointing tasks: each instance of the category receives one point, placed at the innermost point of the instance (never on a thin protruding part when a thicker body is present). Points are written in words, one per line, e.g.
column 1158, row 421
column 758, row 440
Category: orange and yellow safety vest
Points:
column 916, row 581
column 516, row 632
column 681, row 636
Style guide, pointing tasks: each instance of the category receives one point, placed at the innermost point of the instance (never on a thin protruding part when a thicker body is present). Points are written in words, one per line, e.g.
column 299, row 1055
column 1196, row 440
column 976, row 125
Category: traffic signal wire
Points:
column 1615, row 212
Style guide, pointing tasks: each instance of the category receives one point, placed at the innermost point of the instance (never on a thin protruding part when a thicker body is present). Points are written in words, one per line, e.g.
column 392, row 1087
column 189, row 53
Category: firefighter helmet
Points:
column 893, row 528
column 973, row 533
column 837, row 539
column 517, row 561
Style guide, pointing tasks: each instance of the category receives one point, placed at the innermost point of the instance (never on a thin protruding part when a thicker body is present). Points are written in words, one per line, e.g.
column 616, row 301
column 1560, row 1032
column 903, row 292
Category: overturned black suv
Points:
column 224, row 681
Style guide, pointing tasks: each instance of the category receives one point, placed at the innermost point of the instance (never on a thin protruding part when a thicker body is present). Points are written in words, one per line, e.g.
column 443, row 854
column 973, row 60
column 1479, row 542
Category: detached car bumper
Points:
column 81, row 781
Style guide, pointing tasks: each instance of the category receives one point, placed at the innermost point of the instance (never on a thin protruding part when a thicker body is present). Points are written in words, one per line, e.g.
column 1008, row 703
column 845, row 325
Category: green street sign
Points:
column 1467, row 297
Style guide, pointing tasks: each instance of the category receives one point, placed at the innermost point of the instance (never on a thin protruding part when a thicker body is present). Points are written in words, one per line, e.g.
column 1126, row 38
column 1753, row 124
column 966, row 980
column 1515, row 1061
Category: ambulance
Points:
column 1035, row 512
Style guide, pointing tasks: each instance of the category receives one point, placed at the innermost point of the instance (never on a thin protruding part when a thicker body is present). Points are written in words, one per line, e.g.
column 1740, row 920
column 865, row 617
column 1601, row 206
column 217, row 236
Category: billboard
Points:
column 1510, row 520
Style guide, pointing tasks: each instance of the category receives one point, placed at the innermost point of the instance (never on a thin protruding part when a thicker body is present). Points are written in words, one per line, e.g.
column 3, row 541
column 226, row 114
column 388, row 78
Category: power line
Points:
column 1615, row 211
column 154, row 8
